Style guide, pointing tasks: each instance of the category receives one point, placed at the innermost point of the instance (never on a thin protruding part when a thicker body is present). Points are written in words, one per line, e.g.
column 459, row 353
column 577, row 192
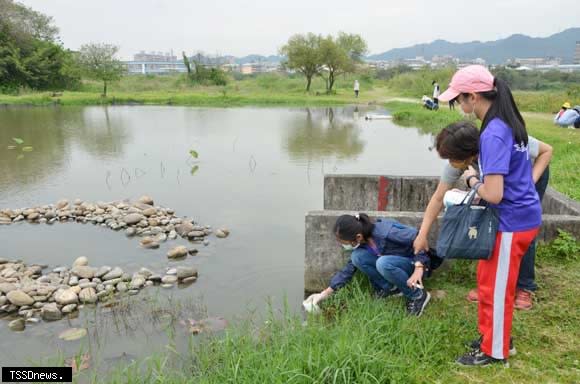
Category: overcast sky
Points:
column 240, row 27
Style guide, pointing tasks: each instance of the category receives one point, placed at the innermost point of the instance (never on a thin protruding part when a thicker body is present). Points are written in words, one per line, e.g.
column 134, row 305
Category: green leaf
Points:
column 193, row 154
column 12, row 147
column 18, row 140
column 27, row 149
column 194, row 170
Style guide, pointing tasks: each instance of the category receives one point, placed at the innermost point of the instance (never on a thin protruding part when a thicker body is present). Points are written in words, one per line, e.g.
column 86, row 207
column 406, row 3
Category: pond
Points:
column 258, row 172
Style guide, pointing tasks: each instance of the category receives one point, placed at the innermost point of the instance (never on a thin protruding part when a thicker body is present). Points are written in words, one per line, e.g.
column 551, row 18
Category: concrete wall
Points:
column 403, row 199
column 407, row 193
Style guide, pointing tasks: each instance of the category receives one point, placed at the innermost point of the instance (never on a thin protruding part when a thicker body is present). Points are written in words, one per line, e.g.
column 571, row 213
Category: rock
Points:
column 195, row 234
column 50, row 312
column 112, row 282
column 88, row 285
column 103, row 271
column 67, row 296
column 167, row 285
column 3, row 300
column 130, row 232
column 155, row 278
column 145, row 273
column 88, row 295
column 160, row 238
column 137, row 282
column 133, row 218
column 76, row 289
column 189, row 280
column 84, row 272
column 149, row 212
column 7, row 287
column 115, row 273
column 122, row 287
column 177, row 252
column 149, row 283
column 149, row 243
column 74, row 280
column 184, row 228
column 17, row 325
column 145, row 200
column 172, row 235
column 185, row 272
column 73, row 334
column 439, row 294
column 222, row 233
column 61, row 204
column 206, row 242
column 192, row 251
column 81, row 262
column 169, row 279
column 78, row 202
column 19, row 298
column 69, row 308
column 33, row 216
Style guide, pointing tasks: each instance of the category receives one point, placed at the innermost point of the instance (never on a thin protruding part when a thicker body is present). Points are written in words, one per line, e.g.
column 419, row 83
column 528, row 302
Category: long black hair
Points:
column 348, row 226
column 504, row 107
column 458, row 141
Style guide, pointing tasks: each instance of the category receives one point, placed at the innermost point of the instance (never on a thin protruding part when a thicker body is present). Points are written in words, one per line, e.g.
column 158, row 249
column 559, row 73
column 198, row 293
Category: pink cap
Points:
column 471, row 79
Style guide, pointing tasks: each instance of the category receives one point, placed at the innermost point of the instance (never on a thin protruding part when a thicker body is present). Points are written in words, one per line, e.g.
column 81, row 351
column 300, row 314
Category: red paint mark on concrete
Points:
column 383, row 193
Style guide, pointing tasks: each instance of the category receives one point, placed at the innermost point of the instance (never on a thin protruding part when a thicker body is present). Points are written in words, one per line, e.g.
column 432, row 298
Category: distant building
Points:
column 534, row 62
column 155, row 56
column 577, row 53
column 262, row 67
column 154, row 67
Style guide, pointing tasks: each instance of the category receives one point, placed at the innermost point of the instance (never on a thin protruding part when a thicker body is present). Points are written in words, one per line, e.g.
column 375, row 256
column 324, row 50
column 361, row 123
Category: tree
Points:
column 340, row 55
column 303, row 55
column 29, row 54
column 99, row 63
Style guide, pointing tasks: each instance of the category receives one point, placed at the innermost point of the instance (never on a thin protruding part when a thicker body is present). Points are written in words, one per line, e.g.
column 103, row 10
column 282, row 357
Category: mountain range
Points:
column 494, row 52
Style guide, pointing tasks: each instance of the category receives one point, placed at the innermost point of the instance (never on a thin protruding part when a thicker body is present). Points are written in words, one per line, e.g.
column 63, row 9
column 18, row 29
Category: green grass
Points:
column 359, row 339
column 263, row 90
column 565, row 163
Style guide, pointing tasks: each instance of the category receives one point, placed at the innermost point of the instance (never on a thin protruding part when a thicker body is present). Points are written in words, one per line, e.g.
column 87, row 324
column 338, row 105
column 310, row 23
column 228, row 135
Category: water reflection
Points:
column 53, row 133
column 322, row 133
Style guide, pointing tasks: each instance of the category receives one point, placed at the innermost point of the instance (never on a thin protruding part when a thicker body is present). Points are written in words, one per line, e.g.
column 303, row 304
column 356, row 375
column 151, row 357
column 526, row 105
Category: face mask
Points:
column 349, row 247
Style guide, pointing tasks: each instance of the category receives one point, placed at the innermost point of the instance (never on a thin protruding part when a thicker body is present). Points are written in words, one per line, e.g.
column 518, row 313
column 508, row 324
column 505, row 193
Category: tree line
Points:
column 324, row 56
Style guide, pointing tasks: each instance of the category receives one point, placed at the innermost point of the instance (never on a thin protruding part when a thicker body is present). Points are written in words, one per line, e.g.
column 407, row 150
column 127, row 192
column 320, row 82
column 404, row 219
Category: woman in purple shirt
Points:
column 506, row 183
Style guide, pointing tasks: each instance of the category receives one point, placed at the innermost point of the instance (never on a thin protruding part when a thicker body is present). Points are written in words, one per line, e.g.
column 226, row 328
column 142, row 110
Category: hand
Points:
column 420, row 244
column 315, row 298
column 312, row 301
column 470, row 172
column 416, row 279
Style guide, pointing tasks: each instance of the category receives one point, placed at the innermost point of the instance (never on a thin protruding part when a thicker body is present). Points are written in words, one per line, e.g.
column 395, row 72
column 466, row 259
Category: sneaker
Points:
column 478, row 358
column 523, row 300
column 416, row 307
column 394, row 292
column 476, row 344
column 472, row 296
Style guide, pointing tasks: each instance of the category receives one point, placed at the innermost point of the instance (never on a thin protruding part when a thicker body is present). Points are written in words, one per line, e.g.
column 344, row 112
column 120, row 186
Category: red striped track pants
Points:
column 496, row 284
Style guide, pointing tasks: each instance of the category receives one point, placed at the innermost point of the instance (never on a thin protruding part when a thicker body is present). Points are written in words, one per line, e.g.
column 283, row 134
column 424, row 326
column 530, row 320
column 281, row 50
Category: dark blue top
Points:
column 392, row 239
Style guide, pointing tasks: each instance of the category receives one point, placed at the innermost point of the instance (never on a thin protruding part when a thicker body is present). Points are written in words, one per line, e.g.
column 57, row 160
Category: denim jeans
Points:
column 366, row 262
column 527, row 275
column 397, row 270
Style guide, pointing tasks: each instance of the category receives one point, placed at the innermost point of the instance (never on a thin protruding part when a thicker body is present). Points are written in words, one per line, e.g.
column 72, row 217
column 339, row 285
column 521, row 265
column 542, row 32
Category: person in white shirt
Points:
column 436, row 92
column 356, row 88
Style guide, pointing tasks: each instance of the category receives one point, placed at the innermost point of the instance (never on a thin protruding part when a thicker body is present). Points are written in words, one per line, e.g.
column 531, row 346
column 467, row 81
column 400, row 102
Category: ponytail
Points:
column 504, row 107
column 348, row 226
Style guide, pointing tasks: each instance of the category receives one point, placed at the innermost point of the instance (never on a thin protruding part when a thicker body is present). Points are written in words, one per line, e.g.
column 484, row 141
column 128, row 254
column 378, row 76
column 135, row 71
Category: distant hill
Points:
column 258, row 59
column 494, row 52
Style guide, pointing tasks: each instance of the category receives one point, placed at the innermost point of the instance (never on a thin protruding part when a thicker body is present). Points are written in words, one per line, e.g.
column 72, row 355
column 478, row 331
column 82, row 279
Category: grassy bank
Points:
column 359, row 339
column 263, row 90
column 566, row 142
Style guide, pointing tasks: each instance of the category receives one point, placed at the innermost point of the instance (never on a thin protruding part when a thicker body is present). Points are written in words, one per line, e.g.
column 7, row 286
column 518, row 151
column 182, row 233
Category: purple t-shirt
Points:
column 520, row 208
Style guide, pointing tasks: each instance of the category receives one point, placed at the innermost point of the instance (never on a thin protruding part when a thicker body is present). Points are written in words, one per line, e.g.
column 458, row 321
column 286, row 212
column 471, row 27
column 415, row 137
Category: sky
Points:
column 240, row 27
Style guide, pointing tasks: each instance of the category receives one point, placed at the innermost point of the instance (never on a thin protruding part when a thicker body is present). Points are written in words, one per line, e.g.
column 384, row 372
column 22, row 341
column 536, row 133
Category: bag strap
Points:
column 468, row 199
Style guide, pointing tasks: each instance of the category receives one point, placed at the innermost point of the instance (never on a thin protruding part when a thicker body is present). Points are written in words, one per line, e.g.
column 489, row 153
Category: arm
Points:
column 490, row 191
column 542, row 161
column 433, row 208
column 339, row 280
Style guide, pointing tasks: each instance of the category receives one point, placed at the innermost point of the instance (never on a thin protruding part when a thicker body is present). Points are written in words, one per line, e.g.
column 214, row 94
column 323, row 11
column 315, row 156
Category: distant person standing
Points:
column 452, row 105
column 436, row 92
column 356, row 88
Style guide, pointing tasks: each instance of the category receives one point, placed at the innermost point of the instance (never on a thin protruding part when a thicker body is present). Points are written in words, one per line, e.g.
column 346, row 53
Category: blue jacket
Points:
column 391, row 238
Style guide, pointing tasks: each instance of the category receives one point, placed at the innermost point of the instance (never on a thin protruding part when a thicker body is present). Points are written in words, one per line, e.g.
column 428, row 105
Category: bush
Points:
column 565, row 248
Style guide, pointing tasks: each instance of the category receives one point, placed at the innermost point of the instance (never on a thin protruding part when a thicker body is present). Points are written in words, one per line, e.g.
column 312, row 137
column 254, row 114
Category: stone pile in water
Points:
column 30, row 295
column 141, row 218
